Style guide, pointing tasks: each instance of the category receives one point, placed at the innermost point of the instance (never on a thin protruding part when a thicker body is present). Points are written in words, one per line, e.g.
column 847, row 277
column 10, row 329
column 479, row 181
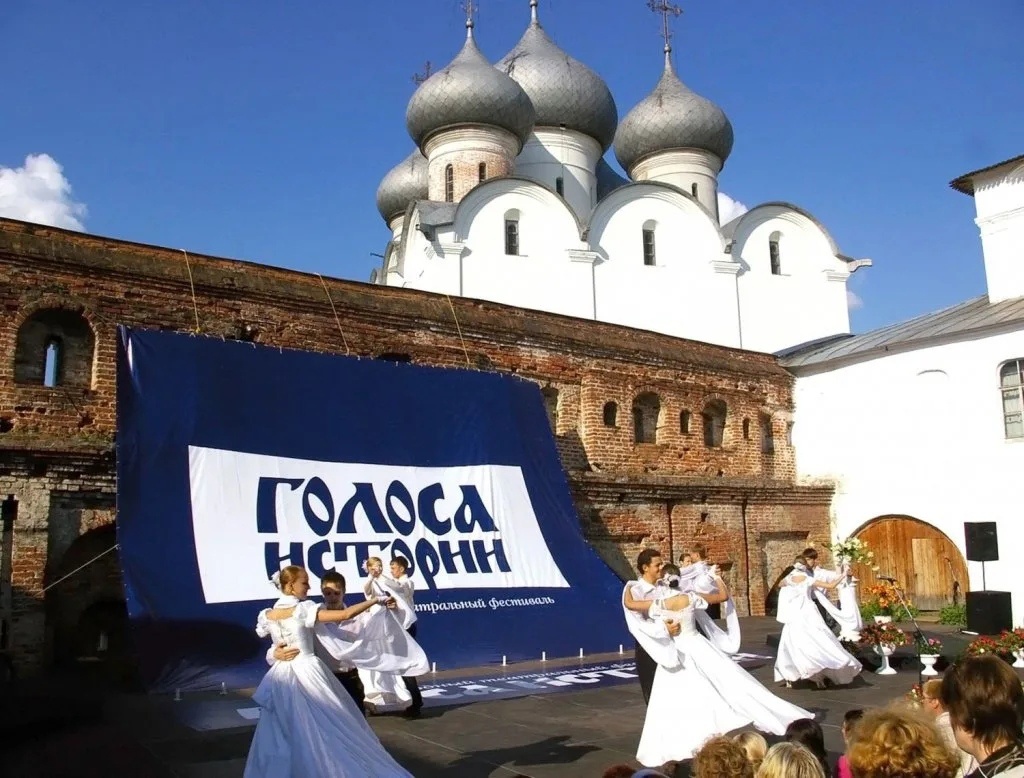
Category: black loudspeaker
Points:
column 981, row 541
column 989, row 613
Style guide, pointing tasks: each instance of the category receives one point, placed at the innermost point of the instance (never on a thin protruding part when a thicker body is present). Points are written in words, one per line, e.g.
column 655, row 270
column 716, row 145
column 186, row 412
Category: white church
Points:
column 507, row 198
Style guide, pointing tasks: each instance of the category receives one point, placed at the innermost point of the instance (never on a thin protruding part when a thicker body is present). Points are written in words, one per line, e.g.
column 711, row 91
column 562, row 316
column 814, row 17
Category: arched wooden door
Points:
column 925, row 562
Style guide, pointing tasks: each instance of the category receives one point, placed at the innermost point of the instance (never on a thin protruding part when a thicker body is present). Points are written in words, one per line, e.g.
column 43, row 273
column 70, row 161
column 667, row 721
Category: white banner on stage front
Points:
column 460, row 527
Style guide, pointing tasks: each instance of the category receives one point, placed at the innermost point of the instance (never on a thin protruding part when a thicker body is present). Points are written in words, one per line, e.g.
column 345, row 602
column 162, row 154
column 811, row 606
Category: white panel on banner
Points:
column 469, row 527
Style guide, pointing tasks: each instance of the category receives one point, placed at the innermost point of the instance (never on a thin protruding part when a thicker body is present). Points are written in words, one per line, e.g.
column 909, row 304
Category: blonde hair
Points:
column 290, row 575
column 754, row 745
column 722, row 757
column 790, row 760
column 375, row 560
column 900, row 743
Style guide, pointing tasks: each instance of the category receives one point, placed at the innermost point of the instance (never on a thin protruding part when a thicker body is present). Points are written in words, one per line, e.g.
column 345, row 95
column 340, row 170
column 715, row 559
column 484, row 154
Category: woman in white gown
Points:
column 308, row 724
column 808, row 650
column 708, row 694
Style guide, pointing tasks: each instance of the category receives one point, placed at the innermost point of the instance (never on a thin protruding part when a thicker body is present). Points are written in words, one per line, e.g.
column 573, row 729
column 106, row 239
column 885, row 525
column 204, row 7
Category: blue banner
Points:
column 235, row 459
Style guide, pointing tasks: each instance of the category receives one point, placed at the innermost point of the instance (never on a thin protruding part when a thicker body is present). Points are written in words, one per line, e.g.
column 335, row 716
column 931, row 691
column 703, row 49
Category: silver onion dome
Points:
column 469, row 91
column 672, row 117
column 563, row 90
column 405, row 182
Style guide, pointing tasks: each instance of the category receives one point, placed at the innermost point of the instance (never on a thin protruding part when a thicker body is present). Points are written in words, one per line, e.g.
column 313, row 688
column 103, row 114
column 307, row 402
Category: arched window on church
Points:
column 560, row 186
column 693, row 189
column 646, row 410
column 482, row 171
column 610, row 414
column 684, row 422
column 650, row 249
column 52, row 359
column 512, row 233
column 1011, row 385
column 774, row 257
column 449, row 184
column 767, row 435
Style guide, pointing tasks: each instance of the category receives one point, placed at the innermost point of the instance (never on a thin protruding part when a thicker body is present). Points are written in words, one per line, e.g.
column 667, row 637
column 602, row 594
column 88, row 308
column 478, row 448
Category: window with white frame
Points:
column 1011, row 384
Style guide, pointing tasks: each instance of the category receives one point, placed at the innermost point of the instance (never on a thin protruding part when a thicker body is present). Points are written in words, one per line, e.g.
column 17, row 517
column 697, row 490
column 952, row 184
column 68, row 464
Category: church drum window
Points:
column 560, row 186
column 650, row 257
column 449, row 184
column 512, row 237
column 774, row 256
column 482, row 171
column 1011, row 387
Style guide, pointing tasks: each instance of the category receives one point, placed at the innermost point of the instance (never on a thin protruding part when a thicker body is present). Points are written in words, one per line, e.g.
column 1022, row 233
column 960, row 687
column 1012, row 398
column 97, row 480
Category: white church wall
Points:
column 999, row 200
column 806, row 300
column 920, row 434
column 553, row 154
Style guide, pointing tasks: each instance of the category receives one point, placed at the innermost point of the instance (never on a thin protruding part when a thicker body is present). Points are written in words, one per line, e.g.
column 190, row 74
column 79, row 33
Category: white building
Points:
column 920, row 424
column 508, row 198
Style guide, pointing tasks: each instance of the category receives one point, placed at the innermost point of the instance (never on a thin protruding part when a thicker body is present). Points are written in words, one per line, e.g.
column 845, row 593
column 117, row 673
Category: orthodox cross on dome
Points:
column 428, row 71
column 470, row 8
column 666, row 10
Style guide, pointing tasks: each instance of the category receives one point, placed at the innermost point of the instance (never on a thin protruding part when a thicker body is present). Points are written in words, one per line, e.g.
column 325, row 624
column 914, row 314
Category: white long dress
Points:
column 708, row 694
column 308, row 724
column 807, row 648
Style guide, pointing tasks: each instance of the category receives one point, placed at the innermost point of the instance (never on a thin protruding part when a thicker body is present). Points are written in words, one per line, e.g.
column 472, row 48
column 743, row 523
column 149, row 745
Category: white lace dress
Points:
column 308, row 726
column 807, row 648
column 707, row 695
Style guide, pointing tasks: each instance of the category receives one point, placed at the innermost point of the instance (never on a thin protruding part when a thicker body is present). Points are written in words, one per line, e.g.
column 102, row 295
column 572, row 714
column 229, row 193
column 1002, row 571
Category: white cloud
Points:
column 38, row 192
column 729, row 209
column 853, row 302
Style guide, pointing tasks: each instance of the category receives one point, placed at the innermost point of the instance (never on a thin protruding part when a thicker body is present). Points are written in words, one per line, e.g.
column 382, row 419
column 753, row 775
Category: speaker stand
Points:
column 984, row 585
column 919, row 637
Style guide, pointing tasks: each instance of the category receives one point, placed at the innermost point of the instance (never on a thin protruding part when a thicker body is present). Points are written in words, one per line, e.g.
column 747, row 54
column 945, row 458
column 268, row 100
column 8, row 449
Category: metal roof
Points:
column 965, row 183
column 966, row 317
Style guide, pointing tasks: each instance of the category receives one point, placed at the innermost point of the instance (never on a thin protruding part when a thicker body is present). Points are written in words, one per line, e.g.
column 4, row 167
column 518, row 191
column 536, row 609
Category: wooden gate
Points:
column 925, row 562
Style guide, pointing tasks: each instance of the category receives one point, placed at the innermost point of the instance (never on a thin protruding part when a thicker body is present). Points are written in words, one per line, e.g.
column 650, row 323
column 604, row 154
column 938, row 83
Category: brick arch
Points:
column 65, row 323
column 647, row 408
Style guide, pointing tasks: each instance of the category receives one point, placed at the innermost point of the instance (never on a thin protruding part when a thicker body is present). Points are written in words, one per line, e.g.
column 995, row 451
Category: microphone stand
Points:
column 919, row 637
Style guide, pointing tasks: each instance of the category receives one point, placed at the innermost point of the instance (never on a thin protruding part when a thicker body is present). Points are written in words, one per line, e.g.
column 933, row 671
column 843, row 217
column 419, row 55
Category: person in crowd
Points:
column 720, row 695
column 850, row 719
column 808, row 650
column 399, row 586
column 900, row 743
column 754, row 746
column 722, row 757
column 985, row 701
column 308, row 723
column 931, row 694
column 790, row 760
column 807, row 733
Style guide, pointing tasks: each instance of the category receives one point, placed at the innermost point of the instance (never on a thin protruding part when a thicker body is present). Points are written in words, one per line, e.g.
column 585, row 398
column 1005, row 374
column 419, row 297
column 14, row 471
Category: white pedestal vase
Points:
column 885, row 651
column 1019, row 655
column 929, row 660
column 883, row 619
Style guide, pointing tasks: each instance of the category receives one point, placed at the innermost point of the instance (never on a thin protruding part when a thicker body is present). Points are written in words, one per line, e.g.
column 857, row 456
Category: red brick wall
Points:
column 624, row 491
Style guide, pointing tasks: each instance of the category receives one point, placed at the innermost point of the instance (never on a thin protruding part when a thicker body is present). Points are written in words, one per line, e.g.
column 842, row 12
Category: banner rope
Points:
column 82, row 567
column 458, row 329
column 336, row 319
column 192, row 284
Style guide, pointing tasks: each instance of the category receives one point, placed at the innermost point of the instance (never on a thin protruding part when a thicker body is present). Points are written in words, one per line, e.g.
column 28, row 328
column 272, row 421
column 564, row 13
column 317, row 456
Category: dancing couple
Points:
column 693, row 689
column 311, row 720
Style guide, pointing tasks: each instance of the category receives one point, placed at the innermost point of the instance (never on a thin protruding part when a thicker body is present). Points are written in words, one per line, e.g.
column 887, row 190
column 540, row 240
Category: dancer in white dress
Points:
column 808, row 650
column 719, row 695
column 308, row 724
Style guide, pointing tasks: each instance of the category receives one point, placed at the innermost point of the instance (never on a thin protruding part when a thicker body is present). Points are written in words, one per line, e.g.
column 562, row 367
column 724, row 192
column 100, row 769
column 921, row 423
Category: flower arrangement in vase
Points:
column 984, row 645
column 929, row 650
column 884, row 638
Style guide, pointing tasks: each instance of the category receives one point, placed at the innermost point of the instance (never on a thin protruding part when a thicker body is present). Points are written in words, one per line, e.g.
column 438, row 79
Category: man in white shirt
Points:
column 399, row 585
column 655, row 634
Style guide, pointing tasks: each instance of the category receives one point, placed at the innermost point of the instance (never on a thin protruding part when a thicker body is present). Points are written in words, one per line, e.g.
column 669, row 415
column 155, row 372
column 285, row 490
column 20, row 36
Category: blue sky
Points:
column 259, row 130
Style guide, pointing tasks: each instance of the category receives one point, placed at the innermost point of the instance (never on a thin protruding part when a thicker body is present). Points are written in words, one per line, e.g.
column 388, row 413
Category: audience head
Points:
column 807, row 733
column 619, row 771
column 648, row 563
column 985, row 701
column 754, row 746
column 850, row 720
column 900, row 743
column 790, row 760
column 931, row 696
column 722, row 757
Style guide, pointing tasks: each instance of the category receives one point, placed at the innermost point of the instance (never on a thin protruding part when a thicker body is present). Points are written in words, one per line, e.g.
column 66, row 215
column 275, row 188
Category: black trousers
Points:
column 350, row 680
column 645, row 668
column 410, row 681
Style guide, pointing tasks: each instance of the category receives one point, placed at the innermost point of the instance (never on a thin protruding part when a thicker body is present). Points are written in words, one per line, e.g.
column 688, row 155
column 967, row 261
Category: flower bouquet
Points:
column 853, row 551
column 929, row 647
column 984, row 645
column 883, row 635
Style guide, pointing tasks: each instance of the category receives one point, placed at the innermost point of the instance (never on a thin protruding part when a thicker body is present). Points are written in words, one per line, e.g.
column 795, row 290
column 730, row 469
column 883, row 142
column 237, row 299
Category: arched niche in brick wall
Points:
column 55, row 347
